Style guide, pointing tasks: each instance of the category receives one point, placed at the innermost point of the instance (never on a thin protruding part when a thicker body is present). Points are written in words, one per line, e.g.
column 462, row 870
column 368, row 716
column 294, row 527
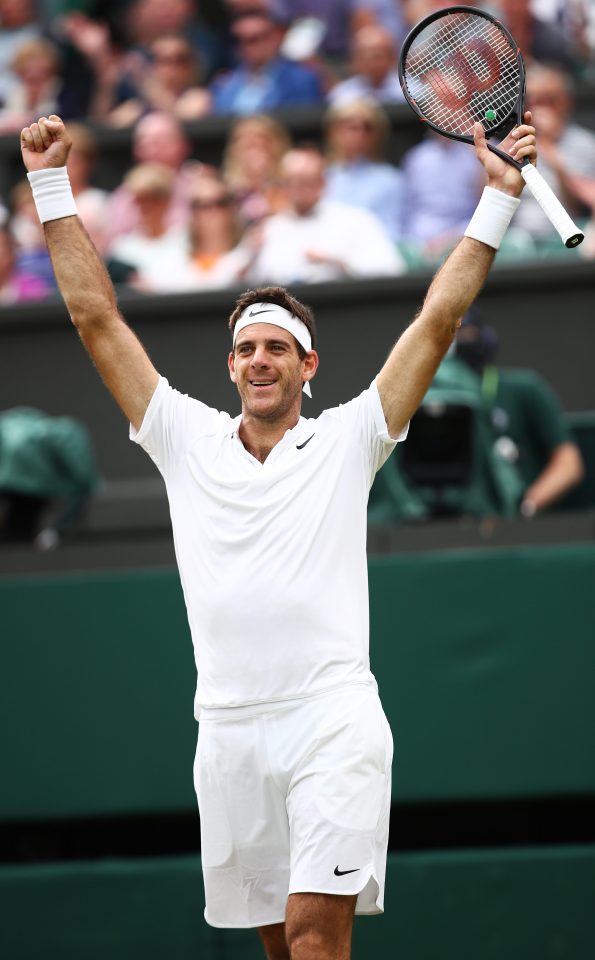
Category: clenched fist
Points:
column 45, row 144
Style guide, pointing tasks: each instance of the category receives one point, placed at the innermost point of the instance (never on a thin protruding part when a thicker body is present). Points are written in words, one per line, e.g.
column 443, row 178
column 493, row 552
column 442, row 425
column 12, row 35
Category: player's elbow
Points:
column 94, row 312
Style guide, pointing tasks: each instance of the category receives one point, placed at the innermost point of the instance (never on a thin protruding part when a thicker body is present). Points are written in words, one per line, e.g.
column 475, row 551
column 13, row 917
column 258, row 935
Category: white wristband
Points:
column 492, row 215
column 52, row 193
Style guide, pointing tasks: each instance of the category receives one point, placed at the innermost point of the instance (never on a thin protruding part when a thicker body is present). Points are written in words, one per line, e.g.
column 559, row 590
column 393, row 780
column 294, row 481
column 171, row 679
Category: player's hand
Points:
column 520, row 144
column 45, row 144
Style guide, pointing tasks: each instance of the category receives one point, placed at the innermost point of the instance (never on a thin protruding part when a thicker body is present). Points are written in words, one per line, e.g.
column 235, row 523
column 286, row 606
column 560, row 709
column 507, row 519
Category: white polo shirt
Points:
column 272, row 555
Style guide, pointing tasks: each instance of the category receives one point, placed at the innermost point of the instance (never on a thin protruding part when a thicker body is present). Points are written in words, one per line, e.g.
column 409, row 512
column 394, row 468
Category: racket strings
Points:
column 462, row 68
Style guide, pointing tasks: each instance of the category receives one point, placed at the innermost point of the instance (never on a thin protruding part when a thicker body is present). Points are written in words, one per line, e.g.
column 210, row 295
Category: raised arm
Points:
column 413, row 361
column 85, row 285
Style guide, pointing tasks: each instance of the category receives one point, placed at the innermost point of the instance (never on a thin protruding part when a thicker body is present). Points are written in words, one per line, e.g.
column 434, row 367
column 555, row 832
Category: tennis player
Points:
column 269, row 518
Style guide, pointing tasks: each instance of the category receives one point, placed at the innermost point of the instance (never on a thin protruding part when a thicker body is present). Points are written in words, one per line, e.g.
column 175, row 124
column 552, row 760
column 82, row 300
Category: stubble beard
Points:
column 275, row 412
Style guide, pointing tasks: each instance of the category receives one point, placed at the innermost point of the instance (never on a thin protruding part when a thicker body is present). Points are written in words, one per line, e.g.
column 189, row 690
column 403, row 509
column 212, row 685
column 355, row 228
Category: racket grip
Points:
column 551, row 206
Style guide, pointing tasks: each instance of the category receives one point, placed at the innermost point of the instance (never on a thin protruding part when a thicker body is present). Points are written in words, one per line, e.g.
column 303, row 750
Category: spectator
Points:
column 442, row 184
column 118, row 49
column 264, row 80
column 32, row 255
column 373, row 68
column 357, row 134
column 252, row 162
column 19, row 25
column 334, row 15
column 569, row 19
column 538, row 39
column 389, row 14
column 90, row 201
column 44, row 461
column 154, row 250
column 314, row 239
column 36, row 66
column 566, row 150
column 99, row 63
column 216, row 258
column 158, row 138
column 171, row 83
column 16, row 285
column 527, row 416
column 148, row 20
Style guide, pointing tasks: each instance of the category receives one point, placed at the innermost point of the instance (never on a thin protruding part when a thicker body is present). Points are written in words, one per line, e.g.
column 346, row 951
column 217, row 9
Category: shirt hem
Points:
column 214, row 711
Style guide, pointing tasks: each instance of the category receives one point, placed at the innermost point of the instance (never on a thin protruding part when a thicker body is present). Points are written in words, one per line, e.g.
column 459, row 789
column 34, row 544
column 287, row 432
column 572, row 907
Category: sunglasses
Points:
column 173, row 59
column 249, row 39
column 364, row 125
column 216, row 204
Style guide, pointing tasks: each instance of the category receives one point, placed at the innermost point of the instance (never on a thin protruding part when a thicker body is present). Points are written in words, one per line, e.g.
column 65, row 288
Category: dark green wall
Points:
column 485, row 662
column 523, row 904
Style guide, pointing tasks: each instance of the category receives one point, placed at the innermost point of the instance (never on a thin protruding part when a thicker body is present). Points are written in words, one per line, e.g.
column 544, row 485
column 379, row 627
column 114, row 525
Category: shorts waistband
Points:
column 275, row 706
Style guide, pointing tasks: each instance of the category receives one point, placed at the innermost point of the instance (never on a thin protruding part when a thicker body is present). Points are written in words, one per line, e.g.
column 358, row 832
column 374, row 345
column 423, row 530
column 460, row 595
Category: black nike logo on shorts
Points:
column 341, row 873
column 300, row 446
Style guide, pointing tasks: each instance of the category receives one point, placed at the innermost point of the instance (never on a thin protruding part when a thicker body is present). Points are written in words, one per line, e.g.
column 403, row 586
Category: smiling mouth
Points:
column 262, row 383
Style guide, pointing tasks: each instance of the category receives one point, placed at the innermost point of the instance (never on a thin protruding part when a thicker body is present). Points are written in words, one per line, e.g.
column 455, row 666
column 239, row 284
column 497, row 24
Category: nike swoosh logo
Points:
column 254, row 313
column 341, row 873
column 300, row 446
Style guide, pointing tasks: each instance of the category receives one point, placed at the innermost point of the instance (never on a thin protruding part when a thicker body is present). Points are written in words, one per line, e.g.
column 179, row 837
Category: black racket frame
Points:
column 504, row 126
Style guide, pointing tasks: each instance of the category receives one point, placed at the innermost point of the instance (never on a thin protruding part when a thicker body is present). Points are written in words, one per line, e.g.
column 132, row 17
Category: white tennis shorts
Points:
column 294, row 797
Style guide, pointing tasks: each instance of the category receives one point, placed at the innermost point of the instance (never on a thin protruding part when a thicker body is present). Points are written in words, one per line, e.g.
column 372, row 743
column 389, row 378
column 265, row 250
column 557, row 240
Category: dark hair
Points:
column 282, row 298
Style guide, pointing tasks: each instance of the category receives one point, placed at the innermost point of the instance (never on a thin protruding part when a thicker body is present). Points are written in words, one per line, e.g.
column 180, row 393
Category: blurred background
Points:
column 219, row 144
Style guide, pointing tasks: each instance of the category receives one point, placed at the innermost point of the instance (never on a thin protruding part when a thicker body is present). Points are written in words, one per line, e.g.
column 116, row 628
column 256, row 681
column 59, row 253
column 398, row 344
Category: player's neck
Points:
column 259, row 436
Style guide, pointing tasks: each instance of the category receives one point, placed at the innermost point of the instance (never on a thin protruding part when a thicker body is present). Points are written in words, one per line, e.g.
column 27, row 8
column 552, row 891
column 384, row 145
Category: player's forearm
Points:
column 454, row 289
column 80, row 272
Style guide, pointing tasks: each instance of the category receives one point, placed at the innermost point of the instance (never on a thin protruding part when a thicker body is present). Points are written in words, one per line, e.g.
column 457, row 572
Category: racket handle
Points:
column 551, row 206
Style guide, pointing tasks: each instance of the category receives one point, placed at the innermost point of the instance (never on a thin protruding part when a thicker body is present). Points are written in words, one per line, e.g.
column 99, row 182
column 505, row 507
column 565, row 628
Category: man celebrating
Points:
column 269, row 516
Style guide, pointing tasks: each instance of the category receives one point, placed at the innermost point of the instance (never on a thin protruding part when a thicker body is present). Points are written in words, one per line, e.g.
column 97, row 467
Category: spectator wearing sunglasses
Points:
column 374, row 73
column 171, row 82
column 252, row 165
column 358, row 174
column 216, row 255
column 263, row 80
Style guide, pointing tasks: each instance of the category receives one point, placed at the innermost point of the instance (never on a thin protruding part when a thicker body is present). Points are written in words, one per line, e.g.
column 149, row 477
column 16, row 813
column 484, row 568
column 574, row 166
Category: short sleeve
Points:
column 546, row 417
column 364, row 416
column 172, row 423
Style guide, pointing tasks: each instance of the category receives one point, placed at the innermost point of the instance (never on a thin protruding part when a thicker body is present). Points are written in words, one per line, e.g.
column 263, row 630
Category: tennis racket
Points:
column 459, row 66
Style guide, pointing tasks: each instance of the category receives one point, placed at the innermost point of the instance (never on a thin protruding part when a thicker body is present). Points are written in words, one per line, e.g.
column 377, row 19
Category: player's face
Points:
column 267, row 370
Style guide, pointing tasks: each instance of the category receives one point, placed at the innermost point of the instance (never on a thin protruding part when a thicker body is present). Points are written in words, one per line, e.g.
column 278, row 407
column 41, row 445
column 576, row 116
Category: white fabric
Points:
column 279, row 317
column 278, row 817
column 227, row 270
column 492, row 216
column 272, row 555
column 354, row 240
column 158, row 261
column 52, row 194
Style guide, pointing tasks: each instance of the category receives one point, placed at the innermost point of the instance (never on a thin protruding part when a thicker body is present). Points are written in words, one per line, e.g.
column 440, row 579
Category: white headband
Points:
column 280, row 317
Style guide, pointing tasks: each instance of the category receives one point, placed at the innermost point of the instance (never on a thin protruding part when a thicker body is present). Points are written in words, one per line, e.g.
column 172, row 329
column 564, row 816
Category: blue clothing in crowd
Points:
column 443, row 181
column 281, row 83
column 378, row 187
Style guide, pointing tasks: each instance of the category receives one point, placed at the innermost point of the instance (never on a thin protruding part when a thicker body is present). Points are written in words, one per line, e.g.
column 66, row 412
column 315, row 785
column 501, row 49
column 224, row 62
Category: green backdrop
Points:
column 525, row 904
column 485, row 662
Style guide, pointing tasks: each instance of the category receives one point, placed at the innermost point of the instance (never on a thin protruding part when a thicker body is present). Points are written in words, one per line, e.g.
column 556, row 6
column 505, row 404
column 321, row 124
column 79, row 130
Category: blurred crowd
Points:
column 280, row 210
column 276, row 209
